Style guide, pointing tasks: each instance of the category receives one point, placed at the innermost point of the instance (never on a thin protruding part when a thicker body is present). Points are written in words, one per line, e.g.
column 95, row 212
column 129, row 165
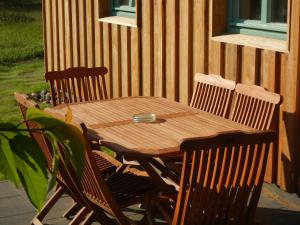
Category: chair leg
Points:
column 80, row 216
column 48, row 206
column 73, row 210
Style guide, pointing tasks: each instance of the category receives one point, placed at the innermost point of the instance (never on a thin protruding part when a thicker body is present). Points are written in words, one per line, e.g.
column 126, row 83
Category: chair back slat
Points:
column 254, row 106
column 77, row 85
column 221, row 179
column 212, row 94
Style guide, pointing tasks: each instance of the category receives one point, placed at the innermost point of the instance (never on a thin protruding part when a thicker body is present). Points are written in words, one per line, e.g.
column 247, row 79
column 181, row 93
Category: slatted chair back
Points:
column 94, row 186
column 212, row 94
column 222, row 178
column 254, row 106
column 77, row 85
column 24, row 103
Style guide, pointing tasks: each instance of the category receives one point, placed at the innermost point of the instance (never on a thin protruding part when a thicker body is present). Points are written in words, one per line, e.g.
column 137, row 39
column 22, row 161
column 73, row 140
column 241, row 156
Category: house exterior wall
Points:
column 172, row 43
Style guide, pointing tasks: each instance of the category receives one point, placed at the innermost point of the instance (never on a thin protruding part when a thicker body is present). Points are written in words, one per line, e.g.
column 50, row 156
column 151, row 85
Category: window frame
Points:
column 262, row 27
column 123, row 11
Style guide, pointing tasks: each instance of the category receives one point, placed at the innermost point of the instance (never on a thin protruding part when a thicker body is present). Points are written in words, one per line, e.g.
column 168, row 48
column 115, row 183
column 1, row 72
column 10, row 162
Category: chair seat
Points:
column 127, row 186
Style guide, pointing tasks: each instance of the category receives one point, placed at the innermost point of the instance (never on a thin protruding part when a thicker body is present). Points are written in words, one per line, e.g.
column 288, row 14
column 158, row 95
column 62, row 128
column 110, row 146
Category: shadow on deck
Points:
column 275, row 208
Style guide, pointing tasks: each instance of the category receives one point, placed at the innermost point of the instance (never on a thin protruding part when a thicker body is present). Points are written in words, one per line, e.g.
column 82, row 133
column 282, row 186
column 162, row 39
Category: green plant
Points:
column 22, row 161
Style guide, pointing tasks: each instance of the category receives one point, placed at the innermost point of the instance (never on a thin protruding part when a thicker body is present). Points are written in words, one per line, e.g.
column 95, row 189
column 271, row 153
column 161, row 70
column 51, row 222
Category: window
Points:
column 267, row 18
column 124, row 8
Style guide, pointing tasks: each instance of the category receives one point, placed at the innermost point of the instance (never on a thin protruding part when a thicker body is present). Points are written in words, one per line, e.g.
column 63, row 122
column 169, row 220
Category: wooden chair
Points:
column 104, row 163
column 254, row 106
column 212, row 94
column 113, row 193
column 222, row 178
column 77, row 85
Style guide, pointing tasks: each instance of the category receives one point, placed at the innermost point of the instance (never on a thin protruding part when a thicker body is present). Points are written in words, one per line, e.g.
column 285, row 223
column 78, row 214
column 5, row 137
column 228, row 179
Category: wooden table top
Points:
column 110, row 122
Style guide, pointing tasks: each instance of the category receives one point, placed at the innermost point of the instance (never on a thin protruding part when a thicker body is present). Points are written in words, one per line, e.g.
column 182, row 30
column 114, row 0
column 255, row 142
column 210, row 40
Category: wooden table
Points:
column 110, row 122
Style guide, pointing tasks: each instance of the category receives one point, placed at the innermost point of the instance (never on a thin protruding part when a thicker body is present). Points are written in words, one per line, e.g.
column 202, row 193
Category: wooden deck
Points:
column 275, row 208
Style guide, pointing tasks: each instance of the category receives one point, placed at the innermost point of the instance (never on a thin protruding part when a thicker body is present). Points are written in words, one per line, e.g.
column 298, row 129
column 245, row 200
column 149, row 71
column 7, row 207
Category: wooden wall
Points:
column 162, row 55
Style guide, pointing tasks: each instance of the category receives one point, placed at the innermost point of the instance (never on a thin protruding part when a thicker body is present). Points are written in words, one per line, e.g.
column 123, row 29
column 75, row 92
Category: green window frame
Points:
column 118, row 9
column 263, row 27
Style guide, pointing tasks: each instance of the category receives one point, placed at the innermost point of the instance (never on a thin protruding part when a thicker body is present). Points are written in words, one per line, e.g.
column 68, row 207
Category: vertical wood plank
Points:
column 75, row 33
column 126, row 61
column 159, row 46
column 135, row 62
column 147, row 48
column 82, row 32
column 250, row 65
column 200, row 37
column 90, row 33
column 68, row 34
column 216, row 61
column 98, row 36
column 233, row 62
column 48, row 39
column 116, row 61
column 55, row 36
column 172, row 52
column 61, row 34
column 107, row 59
column 185, row 51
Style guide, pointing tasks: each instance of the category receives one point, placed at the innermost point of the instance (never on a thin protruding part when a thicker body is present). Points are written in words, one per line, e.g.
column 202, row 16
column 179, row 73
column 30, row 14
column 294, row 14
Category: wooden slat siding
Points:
column 232, row 62
column 116, row 61
column 290, row 84
column 82, row 32
column 250, row 67
column 147, row 48
column 172, row 53
column 126, row 61
column 159, row 46
column 107, row 57
column 68, row 34
column 55, row 36
column 200, row 37
column 61, row 34
column 75, row 33
column 135, row 62
column 185, row 50
column 90, row 33
column 98, row 36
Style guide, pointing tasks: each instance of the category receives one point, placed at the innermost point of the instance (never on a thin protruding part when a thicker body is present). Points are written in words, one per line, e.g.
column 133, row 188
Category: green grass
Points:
column 21, row 36
column 21, row 56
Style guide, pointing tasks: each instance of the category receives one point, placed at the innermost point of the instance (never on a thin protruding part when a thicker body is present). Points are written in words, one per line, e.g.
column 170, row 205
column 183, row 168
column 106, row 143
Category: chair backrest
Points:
column 77, row 85
column 221, row 178
column 254, row 106
column 24, row 103
column 212, row 94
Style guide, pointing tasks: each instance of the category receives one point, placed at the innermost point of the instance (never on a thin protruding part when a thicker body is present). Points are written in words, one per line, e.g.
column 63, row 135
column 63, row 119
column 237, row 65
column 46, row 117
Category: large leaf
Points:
column 32, row 168
column 7, row 163
column 70, row 137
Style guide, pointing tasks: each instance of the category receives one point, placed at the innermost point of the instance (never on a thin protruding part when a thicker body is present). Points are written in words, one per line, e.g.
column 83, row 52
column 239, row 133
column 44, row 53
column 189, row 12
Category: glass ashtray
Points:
column 144, row 118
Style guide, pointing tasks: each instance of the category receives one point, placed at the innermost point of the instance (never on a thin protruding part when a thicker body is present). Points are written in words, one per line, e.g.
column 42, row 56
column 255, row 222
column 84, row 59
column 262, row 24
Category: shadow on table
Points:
column 267, row 216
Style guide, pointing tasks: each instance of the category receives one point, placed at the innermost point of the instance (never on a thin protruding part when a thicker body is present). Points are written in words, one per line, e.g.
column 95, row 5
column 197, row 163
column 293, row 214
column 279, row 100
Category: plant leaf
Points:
column 69, row 137
column 32, row 169
column 7, row 163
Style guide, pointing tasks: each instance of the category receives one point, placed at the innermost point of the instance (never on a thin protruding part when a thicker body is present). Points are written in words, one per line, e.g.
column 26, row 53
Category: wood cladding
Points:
column 171, row 44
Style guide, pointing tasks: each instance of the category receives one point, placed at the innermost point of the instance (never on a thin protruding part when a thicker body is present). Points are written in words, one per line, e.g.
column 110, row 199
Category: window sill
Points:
column 253, row 41
column 123, row 21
